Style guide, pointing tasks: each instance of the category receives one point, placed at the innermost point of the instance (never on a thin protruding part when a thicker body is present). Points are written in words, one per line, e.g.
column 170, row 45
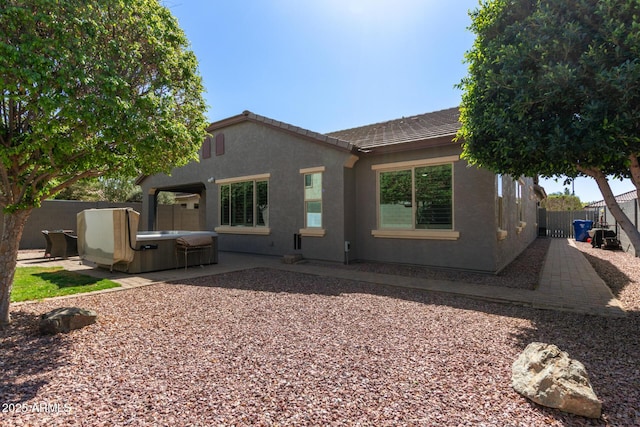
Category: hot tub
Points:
column 109, row 238
column 156, row 250
column 143, row 236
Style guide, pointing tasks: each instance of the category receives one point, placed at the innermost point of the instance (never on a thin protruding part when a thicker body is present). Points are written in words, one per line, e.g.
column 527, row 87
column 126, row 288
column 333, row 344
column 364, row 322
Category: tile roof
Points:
column 249, row 116
column 443, row 123
column 621, row 198
column 407, row 129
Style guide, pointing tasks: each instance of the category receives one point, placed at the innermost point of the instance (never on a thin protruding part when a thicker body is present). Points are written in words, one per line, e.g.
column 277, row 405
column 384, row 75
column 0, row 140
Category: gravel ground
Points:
column 619, row 270
column 266, row 347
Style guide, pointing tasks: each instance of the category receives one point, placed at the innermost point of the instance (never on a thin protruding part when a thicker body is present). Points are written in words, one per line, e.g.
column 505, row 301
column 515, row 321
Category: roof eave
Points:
column 284, row 127
column 229, row 121
column 437, row 141
column 140, row 179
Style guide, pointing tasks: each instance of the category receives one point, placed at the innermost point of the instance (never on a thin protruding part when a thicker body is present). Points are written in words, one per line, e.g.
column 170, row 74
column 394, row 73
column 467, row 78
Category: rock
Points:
column 550, row 378
column 66, row 319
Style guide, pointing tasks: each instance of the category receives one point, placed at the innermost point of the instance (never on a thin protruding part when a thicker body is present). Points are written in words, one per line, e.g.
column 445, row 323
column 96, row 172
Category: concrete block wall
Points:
column 59, row 215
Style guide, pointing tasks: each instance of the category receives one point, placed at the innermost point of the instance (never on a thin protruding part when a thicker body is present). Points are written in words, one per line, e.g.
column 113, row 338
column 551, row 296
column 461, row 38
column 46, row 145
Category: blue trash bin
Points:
column 581, row 229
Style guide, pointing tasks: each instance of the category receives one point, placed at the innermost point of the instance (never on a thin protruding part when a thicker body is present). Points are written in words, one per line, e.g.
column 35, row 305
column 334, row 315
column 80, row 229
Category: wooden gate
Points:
column 560, row 223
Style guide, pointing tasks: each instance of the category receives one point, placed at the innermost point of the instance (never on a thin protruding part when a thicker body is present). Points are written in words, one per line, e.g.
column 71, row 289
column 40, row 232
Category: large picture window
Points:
column 416, row 198
column 244, row 204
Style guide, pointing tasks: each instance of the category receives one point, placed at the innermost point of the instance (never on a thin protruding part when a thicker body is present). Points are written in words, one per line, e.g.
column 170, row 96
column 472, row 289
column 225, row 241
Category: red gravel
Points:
column 619, row 270
column 266, row 347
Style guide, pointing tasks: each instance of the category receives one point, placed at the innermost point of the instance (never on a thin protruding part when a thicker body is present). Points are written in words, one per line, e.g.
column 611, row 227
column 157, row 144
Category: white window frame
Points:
column 501, row 232
column 243, row 229
column 414, row 233
column 519, row 205
column 307, row 230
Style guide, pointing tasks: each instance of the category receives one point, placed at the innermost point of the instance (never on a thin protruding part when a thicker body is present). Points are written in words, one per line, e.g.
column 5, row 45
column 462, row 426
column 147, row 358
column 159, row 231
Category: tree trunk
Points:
column 635, row 173
column 13, row 225
column 623, row 220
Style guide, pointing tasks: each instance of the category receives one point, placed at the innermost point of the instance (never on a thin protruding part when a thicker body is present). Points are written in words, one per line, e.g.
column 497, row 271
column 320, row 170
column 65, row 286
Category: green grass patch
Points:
column 34, row 283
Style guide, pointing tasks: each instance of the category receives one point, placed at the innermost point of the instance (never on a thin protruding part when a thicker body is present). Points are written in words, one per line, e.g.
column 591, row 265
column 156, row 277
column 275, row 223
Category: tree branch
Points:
column 87, row 174
column 6, row 186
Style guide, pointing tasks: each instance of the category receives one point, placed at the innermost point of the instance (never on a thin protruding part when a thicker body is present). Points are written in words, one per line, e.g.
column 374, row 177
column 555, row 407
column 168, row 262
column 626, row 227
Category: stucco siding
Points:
column 254, row 149
column 632, row 210
column 350, row 201
column 350, row 213
column 519, row 234
column 59, row 215
column 473, row 199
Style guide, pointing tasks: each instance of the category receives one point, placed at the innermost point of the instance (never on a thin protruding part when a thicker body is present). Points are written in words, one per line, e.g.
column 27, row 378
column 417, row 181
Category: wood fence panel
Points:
column 560, row 223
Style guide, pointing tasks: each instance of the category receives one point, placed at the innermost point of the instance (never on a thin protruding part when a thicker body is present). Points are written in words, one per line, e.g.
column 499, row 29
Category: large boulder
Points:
column 66, row 319
column 550, row 378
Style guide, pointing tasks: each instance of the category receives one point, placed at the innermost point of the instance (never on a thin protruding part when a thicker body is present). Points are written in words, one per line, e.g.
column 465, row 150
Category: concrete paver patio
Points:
column 567, row 283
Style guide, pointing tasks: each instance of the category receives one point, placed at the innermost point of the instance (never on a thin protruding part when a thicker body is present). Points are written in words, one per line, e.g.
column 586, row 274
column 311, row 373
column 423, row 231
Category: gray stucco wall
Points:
column 253, row 149
column 59, row 215
column 473, row 218
column 632, row 210
column 351, row 213
column 349, row 202
column 517, row 239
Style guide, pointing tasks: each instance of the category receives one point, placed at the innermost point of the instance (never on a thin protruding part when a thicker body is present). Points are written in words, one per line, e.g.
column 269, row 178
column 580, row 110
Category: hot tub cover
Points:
column 107, row 236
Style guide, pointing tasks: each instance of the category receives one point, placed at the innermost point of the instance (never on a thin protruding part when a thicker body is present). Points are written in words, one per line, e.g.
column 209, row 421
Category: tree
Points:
column 562, row 202
column 88, row 88
column 554, row 89
column 120, row 189
column 86, row 189
column 110, row 189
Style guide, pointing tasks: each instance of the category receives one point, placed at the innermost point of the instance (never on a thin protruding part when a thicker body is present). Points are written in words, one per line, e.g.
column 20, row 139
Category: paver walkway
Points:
column 568, row 282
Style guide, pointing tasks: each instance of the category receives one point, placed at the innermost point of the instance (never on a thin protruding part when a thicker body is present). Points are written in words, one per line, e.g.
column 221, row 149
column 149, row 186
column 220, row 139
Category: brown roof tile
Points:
column 620, row 198
column 393, row 132
column 249, row 116
column 407, row 129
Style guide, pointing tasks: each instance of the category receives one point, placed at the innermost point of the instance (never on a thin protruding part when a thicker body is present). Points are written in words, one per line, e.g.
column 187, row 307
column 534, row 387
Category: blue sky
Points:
column 328, row 65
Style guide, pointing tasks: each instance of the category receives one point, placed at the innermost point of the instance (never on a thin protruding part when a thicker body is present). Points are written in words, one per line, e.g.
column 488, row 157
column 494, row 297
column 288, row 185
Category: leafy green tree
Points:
column 554, row 89
column 86, row 190
column 562, row 202
column 120, row 189
column 110, row 189
column 395, row 187
column 88, row 88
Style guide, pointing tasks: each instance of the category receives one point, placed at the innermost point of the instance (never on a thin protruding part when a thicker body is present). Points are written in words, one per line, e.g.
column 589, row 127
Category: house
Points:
column 394, row 192
column 187, row 201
